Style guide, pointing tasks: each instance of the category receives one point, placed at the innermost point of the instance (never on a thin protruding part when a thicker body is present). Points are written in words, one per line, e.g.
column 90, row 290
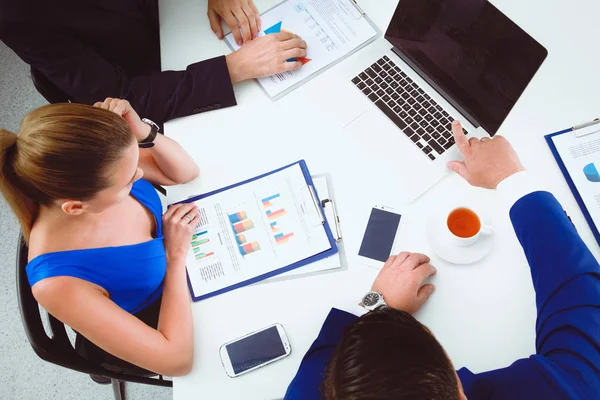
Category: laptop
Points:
column 451, row 59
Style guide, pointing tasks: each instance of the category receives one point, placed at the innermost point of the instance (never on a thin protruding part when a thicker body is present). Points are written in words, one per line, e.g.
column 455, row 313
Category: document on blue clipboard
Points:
column 332, row 30
column 577, row 152
column 256, row 229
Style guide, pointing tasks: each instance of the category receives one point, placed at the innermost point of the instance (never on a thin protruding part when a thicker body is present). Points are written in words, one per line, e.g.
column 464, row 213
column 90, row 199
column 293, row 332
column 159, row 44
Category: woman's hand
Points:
column 179, row 223
column 238, row 14
column 266, row 56
column 124, row 109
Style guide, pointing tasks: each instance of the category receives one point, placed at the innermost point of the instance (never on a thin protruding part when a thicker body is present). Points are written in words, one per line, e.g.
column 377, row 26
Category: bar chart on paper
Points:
column 201, row 245
column 241, row 225
column 276, row 213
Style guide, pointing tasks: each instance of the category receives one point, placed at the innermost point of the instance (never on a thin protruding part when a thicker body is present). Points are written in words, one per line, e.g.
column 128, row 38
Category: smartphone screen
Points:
column 380, row 234
column 255, row 350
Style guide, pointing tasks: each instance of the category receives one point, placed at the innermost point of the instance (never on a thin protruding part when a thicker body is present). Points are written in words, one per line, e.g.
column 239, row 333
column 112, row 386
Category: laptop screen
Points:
column 481, row 59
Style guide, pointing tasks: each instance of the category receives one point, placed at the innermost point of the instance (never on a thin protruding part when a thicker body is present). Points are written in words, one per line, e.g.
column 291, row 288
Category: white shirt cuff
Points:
column 517, row 186
column 354, row 309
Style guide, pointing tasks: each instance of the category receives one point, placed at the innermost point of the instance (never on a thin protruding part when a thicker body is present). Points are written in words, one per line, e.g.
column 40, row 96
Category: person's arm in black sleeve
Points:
column 75, row 68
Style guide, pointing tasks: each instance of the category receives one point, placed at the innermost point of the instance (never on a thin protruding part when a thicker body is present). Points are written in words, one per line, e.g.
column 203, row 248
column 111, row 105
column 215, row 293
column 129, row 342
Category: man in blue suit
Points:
column 379, row 351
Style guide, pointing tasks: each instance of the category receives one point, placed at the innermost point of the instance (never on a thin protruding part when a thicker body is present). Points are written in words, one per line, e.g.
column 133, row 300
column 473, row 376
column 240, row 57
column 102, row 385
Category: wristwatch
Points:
column 372, row 300
column 149, row 141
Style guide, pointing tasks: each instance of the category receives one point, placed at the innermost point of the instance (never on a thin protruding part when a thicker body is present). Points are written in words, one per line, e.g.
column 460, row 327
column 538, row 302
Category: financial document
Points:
column 332, row 30
column 253, row 229
column 581, row 157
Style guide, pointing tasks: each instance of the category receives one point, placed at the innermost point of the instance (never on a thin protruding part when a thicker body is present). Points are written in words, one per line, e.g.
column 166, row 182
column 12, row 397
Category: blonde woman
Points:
column 102, row 257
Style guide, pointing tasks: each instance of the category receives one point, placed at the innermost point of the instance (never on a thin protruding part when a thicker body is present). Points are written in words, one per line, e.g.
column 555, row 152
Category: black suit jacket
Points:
column 94, row 49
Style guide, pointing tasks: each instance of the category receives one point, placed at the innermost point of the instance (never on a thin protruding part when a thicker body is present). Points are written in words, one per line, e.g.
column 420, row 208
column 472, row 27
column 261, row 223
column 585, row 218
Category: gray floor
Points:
column 22, row 374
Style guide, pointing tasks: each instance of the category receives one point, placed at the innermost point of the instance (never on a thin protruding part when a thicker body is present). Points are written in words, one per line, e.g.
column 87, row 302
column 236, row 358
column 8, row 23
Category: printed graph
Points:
column 591, row 173
column 201, row 245
column 241, row 224
column 275, row 213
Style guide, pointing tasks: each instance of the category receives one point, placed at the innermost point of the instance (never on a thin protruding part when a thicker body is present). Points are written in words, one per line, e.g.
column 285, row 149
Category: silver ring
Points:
column 188, row 218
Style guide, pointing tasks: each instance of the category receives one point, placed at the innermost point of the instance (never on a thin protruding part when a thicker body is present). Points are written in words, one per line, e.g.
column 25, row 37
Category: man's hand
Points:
column 238, row 14
column 487, row 161
column 266, row 56
column 124, row 109
column 400, row 281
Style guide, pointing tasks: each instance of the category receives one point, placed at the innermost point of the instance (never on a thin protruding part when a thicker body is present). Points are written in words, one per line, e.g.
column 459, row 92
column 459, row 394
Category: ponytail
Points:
column 62, row 151
column 25, row 208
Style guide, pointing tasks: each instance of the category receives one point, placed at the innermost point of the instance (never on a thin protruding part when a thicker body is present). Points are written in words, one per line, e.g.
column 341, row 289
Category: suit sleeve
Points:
column 566, row 278
column 79, row 71
column 307, row 382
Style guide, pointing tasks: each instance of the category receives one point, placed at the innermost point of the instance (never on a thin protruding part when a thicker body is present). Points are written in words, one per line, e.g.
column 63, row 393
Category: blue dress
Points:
column 132, row 275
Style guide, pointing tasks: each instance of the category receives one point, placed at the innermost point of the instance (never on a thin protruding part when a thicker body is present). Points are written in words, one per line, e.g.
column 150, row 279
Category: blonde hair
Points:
column 62, row 151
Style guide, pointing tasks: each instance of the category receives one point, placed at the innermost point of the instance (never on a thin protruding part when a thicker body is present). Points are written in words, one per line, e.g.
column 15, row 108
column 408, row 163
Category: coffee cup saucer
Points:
column 443, row 247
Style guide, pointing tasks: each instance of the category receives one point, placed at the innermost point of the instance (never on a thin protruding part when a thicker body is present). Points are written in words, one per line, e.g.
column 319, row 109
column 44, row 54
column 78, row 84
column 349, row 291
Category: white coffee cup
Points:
column 464, row 226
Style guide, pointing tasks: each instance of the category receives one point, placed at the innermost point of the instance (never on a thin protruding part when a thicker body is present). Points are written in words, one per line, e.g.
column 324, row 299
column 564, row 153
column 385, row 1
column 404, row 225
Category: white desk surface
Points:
column 483, row 314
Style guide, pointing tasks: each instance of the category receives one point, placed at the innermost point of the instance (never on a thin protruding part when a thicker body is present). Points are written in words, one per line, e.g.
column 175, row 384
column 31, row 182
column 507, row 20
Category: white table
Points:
column 483, row 314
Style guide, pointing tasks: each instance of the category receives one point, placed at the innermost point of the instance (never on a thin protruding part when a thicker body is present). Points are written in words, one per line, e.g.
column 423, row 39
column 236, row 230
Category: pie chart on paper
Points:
column 591, row 173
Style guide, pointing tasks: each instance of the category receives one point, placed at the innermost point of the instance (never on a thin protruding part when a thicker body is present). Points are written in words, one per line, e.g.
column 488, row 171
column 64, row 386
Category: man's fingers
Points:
column 460, row 168
column 235, row 30
column 215, row 23
column 284, row 36
column 459, row 137
column 251, row 20
column 474, row 141
column 294, row 53
column 256, row 16
column 244, row 25
column 401, row 258
column 294, row 43
column 424, row 271
column 291, row 66
column 389, row 263
column 415, row 259
column 424, row 293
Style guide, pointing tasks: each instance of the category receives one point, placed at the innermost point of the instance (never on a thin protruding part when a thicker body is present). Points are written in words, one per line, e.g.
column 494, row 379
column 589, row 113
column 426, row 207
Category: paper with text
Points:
column 332, row 262
column 332, row 29
column 254, row 229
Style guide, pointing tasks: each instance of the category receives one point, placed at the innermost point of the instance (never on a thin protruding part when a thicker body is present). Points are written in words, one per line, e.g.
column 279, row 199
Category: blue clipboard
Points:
column 568, row 178
column 333, row 250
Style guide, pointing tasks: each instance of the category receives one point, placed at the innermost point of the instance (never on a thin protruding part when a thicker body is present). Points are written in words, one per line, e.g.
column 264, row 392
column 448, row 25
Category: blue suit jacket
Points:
column 566, row 278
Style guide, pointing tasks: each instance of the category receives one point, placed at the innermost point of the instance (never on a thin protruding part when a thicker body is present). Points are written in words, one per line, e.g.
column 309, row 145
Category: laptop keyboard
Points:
column 420, row 117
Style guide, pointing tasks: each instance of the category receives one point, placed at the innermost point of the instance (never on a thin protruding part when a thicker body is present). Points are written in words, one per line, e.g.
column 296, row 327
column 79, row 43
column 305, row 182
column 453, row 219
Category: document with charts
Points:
column 579, row 154
column 255, row 230
column 332, row 29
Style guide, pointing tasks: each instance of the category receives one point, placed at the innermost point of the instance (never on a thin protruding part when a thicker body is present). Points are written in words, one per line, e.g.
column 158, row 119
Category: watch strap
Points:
column 149, row 141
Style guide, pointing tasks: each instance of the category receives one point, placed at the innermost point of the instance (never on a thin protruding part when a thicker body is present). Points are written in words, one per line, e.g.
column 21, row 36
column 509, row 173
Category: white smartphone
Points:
column 380, row 235
column 255, row 350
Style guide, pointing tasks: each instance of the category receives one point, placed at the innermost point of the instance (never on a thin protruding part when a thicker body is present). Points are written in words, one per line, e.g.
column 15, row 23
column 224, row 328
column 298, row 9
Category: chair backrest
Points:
column 57, row 348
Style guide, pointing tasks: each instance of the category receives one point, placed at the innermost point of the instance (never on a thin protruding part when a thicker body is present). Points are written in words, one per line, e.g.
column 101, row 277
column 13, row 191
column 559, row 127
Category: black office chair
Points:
column 57, row 348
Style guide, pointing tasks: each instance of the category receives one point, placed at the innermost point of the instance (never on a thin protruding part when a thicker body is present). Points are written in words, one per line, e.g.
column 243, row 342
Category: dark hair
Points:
column 62, row 151
column 388, row 354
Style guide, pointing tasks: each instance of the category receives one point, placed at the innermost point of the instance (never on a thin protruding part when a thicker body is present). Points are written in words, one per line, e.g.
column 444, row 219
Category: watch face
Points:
column 371, row 299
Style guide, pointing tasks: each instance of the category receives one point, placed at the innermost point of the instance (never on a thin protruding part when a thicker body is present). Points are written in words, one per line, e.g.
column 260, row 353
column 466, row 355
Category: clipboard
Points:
column 353, row 9
column 334, row 263
column 316, row 257
column 579, row 131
